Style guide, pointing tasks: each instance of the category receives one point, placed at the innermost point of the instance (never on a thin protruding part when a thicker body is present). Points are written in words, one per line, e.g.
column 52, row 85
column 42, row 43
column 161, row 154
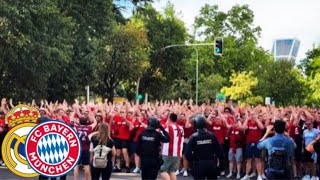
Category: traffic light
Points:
column 218, row 46
column 140, row 96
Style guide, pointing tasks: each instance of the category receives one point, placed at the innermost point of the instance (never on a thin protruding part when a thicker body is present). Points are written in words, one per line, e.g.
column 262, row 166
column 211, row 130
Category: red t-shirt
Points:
column 254, row 133
column 218, row 130
column 187, row 131
column 230, row 120
column 114, row 133
column 124, row 132
column 294, row 132
column 163, row 121
column 66, row 119
column 2, row 125
column 138, row 128
column 84, row 132
column 236, row 138
column 209, row 127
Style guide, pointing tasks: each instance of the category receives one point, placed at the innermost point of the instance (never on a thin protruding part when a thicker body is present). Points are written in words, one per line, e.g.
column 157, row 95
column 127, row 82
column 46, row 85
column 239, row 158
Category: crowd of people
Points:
column 117, row 128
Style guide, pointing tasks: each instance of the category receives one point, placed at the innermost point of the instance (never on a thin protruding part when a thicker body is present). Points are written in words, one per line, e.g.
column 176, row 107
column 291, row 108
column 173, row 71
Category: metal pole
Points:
column 197, row 56
column 88, row 93
column 197, row 74
column 137, row 88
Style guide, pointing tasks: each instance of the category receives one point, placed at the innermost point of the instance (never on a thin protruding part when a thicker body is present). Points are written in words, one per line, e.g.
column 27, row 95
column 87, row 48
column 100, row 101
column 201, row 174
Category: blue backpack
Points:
column 278, row 158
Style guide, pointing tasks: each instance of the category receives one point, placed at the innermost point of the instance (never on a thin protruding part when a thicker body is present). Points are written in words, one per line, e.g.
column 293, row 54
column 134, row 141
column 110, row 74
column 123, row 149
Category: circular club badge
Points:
column 53, row 148
column 13, row 150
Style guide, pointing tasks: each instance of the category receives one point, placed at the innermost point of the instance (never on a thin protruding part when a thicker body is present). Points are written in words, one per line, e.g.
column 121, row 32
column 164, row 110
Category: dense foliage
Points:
column 53, row 49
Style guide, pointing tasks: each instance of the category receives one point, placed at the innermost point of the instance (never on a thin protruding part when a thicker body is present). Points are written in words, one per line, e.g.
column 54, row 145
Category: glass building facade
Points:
column 285, row 49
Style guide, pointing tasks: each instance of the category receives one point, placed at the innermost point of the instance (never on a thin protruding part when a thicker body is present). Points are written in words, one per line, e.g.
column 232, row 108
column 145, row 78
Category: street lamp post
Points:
column 197, row 56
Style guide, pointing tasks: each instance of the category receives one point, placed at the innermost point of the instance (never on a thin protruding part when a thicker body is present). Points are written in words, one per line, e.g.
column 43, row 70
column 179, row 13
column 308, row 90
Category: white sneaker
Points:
column 222, row 173
column 263, row 176
column 229, row 175
column 313, row 178
column 253, row 174
column 306, row 177
column 238, row 176
column 185, row 173
column 182, row 170
column 136, row 170
column 259, row 178
column 246, row 177
column 177, row 172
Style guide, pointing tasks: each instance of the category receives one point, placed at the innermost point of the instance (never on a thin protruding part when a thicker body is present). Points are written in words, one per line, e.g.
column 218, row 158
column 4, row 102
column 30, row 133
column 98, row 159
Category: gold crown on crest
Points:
column 22, row 114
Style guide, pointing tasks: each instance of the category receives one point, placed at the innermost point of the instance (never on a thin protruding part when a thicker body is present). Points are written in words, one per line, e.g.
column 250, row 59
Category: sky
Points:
column 277, row 18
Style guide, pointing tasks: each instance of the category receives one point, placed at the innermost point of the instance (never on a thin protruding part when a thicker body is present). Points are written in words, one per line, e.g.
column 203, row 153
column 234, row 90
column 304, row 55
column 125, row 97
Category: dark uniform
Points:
column 203, row 149
column 149, row 143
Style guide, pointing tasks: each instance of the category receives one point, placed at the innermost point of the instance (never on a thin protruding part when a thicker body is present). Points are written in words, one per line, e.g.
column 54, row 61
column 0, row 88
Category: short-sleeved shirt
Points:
column 2, row 125
column 267, row 144
column 309, row 136
column 95, row 143
column 84, row 131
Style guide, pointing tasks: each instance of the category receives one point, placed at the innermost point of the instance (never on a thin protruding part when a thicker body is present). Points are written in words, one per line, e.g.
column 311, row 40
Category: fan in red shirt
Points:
column 164, row 117
column 184, row 122
column 2, row 131
column 139, row 124
column 122, row 140
column 253, row 127
column 219, row 126
column 84, row 130
column 236, row 137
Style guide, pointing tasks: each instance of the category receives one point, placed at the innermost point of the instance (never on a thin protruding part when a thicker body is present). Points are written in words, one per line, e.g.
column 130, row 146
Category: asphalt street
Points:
column 6, row 174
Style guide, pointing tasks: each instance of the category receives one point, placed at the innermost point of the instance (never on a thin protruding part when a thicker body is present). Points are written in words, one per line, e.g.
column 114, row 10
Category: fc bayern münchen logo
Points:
column 53, row 148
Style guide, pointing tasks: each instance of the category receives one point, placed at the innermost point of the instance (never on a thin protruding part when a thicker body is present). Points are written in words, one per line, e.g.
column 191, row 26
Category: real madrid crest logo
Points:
column 53, row 148
column 22, row 119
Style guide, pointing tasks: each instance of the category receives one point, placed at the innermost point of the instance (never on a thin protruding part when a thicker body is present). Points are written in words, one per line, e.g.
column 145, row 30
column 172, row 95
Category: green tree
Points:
column 315, row 87
column 209, row 86
column 35, row 41
column 241, row 52
column 181, row 89
column 165, row 66
column 93, row 20
column 123, row 56
column 241, row 88
column 311, row 64
column 282, row 82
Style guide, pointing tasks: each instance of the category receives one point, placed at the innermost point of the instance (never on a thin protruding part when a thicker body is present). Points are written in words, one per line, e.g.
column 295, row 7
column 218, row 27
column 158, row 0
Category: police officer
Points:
column 203, row 149
column 149, row 143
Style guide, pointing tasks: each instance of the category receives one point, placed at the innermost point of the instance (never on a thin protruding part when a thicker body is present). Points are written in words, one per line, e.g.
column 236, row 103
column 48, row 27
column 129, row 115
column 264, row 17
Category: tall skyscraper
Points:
column 286, row 49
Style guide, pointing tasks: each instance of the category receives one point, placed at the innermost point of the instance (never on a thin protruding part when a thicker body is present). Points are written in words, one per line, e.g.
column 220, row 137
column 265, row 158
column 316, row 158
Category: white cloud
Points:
column 277, row 18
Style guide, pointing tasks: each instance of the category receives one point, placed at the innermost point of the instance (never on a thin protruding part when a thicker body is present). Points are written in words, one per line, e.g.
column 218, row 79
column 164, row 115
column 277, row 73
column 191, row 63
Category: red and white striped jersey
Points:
column 174, row 147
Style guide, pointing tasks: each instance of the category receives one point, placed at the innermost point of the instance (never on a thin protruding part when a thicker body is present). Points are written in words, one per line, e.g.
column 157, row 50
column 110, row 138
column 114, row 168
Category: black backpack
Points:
column 278, row 160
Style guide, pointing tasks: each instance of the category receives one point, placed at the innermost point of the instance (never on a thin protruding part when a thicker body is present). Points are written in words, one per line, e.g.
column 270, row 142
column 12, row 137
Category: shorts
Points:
column 133, row 147
column 84, row 158
column 121, row 144
column 169, row 164
column 309, row 157
column 184, row 149
column 298, row 153
column 252, row 151
column 237, row 156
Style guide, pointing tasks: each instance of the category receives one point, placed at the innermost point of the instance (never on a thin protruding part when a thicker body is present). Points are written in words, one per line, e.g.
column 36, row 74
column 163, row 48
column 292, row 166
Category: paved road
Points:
column 6, row 174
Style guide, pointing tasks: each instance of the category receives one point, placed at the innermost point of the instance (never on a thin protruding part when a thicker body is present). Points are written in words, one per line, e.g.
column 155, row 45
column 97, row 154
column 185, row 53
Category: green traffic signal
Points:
column 140, row 96
column 218, row 44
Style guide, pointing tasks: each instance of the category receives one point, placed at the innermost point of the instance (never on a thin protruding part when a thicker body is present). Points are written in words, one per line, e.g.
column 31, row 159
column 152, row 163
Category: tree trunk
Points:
column 110, row 94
